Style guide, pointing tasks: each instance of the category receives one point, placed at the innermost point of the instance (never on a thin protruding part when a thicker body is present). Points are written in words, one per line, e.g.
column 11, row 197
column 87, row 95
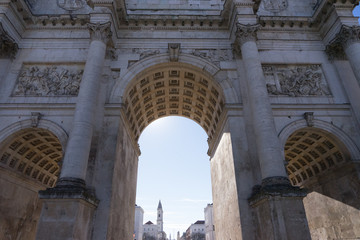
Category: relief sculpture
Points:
column 48, row 81
column 295, row 81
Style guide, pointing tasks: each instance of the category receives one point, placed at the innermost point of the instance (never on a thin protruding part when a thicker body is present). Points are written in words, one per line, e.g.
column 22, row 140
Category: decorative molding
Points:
column 100, row 31
column 275, row 6
column 8, row 46
column 45, row 80
column 245, row 33
column 295, row 80
column 174, row 51
column 212, row 55
column 71, row 5
column 145, row 52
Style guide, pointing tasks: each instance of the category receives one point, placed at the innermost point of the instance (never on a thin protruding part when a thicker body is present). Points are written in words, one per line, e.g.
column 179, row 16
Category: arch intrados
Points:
column 161, row 60
column 173, row 89
column 33, row 152
column 313, row 151
column 346, row 144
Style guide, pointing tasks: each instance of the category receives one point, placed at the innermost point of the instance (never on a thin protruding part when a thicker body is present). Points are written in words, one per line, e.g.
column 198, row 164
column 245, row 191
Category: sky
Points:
column 174, row 167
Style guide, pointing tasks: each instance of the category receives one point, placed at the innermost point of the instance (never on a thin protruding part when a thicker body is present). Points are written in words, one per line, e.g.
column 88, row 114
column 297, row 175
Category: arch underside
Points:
column 173, row 91
column 33, row 153
column 310, row 153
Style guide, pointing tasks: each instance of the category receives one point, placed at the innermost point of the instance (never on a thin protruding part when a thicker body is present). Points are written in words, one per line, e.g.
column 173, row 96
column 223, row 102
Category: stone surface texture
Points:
column 274, row 83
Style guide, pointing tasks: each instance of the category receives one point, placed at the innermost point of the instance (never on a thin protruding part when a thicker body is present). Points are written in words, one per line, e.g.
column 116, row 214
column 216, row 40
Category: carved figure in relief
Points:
column 71, row 5
column 48, row 81
column 275, row 5
column 296, row 81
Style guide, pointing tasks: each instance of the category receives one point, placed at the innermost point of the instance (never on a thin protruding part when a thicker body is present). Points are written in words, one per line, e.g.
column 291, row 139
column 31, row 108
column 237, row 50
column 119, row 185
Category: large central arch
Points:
column 193, row 88
column 173, row 90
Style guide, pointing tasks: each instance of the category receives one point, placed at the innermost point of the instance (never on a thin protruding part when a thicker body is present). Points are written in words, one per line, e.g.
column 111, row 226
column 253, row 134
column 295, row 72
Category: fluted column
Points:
column 267, row 142
column 78, row 147
column 349, row 40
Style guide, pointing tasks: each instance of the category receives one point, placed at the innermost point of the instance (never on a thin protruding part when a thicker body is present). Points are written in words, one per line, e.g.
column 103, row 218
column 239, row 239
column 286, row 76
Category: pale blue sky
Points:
column 174, row 167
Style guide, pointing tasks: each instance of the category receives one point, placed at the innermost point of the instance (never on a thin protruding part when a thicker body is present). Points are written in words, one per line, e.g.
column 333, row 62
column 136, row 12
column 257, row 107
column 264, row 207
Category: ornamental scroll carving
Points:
column 45, row 80
column 212, row 55
column 295, row 81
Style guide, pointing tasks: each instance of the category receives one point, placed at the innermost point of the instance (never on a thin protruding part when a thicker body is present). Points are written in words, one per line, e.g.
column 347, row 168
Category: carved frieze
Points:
column 71, row 5
column 45, row 80
column 275, row 5
column 144, row 53
column 8, row 47
column 295, row 80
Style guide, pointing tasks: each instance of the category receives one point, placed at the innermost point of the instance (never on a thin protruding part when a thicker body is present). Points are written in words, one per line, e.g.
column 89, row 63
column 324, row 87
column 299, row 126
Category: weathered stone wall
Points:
column 114, row 181
column 333, row 206
column 19, row 206
column 225, row 196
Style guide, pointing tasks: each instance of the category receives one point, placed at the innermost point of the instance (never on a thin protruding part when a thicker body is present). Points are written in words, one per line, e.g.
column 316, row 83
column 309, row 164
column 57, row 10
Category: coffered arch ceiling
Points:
column 34, row 153
column 173, row 91
column 310, row 152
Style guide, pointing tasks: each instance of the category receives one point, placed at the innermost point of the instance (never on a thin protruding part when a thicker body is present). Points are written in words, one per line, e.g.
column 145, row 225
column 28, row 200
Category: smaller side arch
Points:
column 343, row 139
column 58, row 131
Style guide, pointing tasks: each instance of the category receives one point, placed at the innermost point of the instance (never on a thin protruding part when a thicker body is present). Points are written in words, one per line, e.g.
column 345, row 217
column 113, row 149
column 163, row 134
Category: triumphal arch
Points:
column 274, row 83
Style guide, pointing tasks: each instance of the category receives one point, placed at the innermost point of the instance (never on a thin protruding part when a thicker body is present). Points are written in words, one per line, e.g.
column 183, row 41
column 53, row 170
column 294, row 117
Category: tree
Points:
column 198, row 236
column 147, row 236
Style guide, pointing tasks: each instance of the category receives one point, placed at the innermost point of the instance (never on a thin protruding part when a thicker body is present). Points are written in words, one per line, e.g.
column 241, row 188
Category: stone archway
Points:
column 318, row 161
column 173, row 90
column 30, row 160
column 177, row 89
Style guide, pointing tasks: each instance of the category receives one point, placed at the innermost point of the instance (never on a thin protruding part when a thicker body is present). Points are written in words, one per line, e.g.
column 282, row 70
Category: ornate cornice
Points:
column 8, row 46
column 100, row 31
column 245, row 33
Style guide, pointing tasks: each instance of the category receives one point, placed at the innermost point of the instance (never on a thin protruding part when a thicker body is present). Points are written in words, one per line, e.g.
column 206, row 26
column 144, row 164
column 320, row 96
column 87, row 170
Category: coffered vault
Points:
column 173, row 90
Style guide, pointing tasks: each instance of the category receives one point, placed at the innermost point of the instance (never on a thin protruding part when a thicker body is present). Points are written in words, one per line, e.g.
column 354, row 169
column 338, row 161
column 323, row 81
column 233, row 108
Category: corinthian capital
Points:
column 245, row 33
column 348, row 35
column 100, row 31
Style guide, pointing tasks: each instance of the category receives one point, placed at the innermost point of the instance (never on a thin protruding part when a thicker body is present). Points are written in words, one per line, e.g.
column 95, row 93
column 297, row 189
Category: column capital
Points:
column 245, row 33
column 8, row 47
column 100, row 31
column 348, row 35
column 345, row 37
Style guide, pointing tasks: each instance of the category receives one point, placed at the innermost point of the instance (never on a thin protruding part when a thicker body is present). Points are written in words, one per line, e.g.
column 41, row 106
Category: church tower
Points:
column 160, row 217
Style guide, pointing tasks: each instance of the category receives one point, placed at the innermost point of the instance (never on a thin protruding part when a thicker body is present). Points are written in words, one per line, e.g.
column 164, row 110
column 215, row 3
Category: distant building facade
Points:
column 138, row 225
column 196, row 231
column 149, row 230
column 209, row 223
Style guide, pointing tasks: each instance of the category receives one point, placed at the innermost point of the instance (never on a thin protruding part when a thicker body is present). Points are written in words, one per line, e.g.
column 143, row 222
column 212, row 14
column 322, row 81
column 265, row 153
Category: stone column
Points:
column 347, row 41
column 267, row 143
column 69, row 207
column 277, row 206
column 78, row 147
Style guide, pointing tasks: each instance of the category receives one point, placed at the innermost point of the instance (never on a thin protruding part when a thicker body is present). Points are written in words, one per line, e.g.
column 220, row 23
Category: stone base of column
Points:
column 279, row 210
column 67, row 211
